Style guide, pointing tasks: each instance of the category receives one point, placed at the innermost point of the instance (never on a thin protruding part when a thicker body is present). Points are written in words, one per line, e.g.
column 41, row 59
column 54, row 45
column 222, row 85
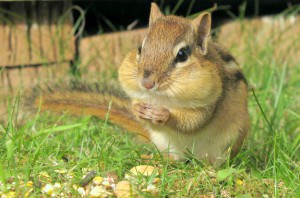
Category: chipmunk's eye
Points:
column 140, row 50
column 182, row 55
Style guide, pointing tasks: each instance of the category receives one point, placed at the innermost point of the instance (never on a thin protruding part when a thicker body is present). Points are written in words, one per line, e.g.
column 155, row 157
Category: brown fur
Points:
column 78, row 98
column 203, row 97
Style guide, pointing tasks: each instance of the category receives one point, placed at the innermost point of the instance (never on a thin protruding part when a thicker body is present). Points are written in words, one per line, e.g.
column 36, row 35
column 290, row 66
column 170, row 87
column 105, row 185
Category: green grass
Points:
column 45, row 148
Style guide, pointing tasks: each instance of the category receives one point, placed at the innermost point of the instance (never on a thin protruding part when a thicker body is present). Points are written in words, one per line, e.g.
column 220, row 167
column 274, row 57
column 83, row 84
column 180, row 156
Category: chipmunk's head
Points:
column 171, row 64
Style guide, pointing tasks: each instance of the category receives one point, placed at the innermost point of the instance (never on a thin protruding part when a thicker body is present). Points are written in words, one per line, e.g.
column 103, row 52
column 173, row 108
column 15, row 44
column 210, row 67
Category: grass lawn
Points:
column 48, row 155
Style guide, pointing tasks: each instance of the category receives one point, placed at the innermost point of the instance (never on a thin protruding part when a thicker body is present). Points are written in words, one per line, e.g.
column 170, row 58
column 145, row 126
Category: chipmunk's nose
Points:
column 147, row 80
column 148, row 83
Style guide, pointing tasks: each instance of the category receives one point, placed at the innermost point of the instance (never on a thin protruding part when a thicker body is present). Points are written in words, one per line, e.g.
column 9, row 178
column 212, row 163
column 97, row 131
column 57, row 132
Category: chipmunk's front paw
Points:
column 157, row 115
column 160, row 115
column 142, row 110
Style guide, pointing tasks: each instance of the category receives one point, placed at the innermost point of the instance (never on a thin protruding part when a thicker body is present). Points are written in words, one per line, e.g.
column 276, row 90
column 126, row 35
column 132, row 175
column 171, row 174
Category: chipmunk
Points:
column 185, row 90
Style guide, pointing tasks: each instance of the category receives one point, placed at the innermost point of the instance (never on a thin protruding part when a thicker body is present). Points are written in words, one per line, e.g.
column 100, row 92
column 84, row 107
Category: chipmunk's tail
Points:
column 77, row 98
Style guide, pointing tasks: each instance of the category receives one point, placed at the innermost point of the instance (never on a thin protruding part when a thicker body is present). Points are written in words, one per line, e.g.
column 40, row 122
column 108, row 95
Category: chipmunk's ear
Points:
column 202, row 26
column 155, row 14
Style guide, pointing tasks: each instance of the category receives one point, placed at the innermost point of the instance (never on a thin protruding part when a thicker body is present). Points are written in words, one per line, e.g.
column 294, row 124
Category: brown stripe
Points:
column 239, row 76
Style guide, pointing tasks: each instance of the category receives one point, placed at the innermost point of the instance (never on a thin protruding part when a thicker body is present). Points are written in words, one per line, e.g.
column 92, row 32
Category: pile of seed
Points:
column 92, row 185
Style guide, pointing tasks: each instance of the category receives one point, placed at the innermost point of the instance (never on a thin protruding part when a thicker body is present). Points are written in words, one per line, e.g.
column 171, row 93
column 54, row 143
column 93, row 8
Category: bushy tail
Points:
column 79, row 98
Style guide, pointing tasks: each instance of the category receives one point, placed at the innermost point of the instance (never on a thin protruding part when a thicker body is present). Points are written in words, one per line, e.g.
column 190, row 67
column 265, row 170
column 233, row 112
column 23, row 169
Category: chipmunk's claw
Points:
column 157, row 115
column 142, row 111
column 160, row 115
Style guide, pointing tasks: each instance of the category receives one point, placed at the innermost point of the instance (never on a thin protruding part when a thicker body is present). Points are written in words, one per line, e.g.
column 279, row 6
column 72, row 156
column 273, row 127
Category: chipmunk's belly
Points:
column 206, row 145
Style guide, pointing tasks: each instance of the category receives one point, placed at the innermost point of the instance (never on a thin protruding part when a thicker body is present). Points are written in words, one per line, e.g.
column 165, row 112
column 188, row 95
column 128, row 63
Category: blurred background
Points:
column 112, row 15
